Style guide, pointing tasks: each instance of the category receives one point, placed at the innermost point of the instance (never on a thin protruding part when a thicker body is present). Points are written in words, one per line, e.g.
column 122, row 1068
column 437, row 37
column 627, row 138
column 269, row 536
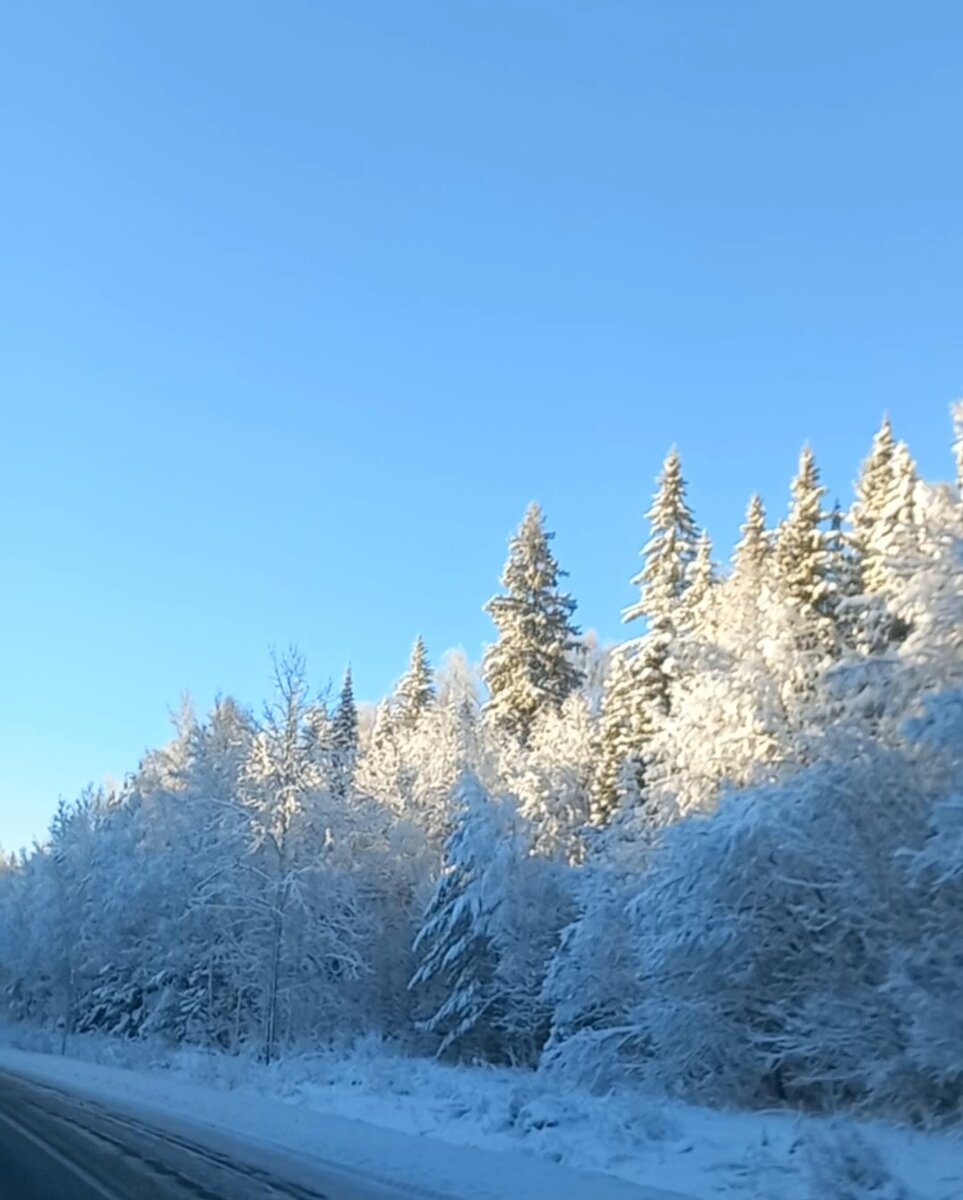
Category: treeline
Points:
column 723, row 858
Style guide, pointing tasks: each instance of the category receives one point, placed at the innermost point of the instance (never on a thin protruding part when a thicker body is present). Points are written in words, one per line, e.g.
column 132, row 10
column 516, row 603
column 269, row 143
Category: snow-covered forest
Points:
column 722, row 859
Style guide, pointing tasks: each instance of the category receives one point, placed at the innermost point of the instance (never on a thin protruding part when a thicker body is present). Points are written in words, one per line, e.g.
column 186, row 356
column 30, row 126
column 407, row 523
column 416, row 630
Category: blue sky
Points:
column 301, row 303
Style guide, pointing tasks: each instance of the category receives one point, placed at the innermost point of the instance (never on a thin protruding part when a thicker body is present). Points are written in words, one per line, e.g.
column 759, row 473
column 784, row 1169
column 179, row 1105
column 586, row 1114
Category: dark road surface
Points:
column 56, row 1146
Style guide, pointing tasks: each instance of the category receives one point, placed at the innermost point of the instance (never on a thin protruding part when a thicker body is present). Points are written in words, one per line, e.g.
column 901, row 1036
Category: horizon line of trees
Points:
column 723, row 858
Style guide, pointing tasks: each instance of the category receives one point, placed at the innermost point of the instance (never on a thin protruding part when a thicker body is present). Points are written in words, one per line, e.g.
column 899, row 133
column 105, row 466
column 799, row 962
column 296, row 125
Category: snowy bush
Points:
column 761, row 938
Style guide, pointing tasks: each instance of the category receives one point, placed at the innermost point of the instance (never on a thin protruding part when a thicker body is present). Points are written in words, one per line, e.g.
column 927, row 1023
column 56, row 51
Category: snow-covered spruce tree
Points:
column 753, row 550
column 670, row 557
column 876, row 571
column 910, row 642
column 697, row 621
column 802, row 554
column 624, row 729
column 851, row 690
column 670, row 550
column 378, row 752
column 416, row 689
column 734, row 661
column 317, row 721
column 896, row 541
column 593, row 982
column 846, row 603
column 881, row 542
column 344, row 739
column 843, row 566
column 484, row 944
column 532, row 666
column 754, row 629
column 748, row 599
column 867, row 511
column 703, row 578
column 803, row 586
column 636, row 700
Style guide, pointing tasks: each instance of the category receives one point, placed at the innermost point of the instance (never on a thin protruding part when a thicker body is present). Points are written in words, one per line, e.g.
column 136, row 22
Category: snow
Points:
column 381, row 1156
column 476, row 1133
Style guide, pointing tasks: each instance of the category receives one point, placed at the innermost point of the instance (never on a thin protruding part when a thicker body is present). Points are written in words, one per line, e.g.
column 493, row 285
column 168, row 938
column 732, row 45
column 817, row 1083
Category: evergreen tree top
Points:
column 875, row 480
column 806, row 485
column 531, row 666
column 900, row 500
column 802, row 548
column 344, row 723
column 752, row 550
column 531, row 571
column 530, row 560
column 702, row 572
column 883, row 440
column 416, row 689
column 671, row 547
column 882, row 515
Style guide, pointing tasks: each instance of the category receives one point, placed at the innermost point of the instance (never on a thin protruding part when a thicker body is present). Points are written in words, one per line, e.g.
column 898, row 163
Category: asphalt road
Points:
column 57, row 1146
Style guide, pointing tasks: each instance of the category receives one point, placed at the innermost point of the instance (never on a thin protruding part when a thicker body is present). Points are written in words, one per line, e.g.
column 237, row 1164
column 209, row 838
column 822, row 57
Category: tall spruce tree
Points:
column 416, row 690
column 344, row 738
column 802, row 547
column 747, row 593
column 670, row 551
column 624, row 728
column 702, row 579
column 637, row 695
column 670, row 556
column 867, row 515
column 844, row 581
column 753, row 549
column 457, row 944
column 532, row 667
column 883, row 542
column 900, row 508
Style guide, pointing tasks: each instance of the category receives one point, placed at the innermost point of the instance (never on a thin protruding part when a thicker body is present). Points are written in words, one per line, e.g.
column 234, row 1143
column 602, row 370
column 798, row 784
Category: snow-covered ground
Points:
column 478, row 1133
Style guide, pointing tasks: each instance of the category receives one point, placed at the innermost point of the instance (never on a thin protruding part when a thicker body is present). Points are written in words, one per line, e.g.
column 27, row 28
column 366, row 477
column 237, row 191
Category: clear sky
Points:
column 302, row 302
